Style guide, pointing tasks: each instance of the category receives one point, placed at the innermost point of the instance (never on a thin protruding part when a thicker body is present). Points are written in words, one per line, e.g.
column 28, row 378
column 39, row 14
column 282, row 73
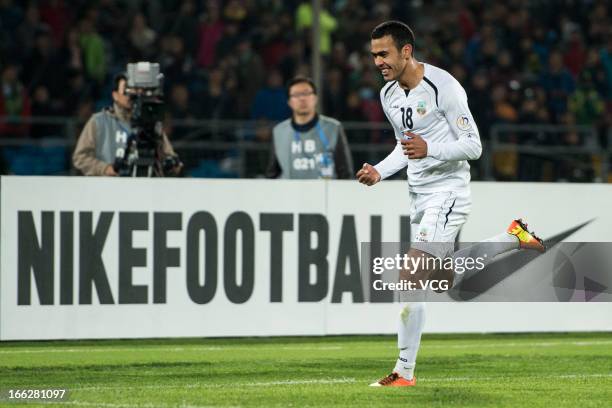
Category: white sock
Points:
column 411, row 323
column 492, row 247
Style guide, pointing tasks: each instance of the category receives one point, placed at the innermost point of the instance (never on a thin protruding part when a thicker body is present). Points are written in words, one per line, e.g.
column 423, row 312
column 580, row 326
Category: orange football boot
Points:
column 527, row 239
column 394, row 380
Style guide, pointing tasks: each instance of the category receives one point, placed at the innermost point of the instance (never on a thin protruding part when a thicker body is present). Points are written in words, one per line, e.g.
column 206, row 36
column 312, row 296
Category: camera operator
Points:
column 106, row 135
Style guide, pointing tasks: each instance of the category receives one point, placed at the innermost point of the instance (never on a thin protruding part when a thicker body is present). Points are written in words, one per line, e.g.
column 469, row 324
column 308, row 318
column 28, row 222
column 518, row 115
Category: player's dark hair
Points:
column 400, row 32
column 301, row 80
column 117, row 80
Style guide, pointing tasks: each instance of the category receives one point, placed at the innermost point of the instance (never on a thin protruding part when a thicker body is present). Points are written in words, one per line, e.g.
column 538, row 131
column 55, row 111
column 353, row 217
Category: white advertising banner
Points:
column 135, row 258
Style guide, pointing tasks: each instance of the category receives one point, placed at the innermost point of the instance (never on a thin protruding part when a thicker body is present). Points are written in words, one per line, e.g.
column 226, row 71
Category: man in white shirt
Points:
column 436, row 136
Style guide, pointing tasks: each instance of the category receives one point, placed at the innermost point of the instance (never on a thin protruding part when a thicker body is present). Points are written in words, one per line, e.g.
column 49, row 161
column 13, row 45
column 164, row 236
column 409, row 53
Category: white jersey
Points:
column 437, row 110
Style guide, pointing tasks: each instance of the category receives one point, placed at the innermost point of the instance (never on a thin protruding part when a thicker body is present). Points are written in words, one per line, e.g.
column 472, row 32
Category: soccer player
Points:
column 436, row 135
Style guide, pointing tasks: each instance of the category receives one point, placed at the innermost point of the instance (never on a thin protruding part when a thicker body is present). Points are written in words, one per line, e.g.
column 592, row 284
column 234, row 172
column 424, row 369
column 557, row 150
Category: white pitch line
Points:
column 112, row 405
column 330, row 381
column 476, row 344
column 301, row 382
column 294, row 382
column 247, row 384
column 498, row 378
column 144, row 405
column 520, row 344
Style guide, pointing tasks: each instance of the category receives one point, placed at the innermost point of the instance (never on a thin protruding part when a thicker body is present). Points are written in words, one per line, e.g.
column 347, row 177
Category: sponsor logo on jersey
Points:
column 421, row 108
column 463, row 122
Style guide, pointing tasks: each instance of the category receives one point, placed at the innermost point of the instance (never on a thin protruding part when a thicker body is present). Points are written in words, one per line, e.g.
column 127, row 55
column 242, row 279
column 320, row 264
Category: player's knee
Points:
column 412, row 307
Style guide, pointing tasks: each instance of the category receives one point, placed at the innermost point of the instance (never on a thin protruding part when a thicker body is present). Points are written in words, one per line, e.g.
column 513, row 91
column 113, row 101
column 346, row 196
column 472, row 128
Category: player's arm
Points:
column 454, row 105
column 390, row 165
column 394, row 162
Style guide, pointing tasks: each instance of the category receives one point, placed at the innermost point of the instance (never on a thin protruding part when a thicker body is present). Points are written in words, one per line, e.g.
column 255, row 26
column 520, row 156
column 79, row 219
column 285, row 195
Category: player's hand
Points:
column 368, row 175
column 415, row 147
column 110, row 171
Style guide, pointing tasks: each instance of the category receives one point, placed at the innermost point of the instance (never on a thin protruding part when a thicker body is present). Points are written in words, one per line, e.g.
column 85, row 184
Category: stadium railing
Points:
column 539, row 152
column 230, row 148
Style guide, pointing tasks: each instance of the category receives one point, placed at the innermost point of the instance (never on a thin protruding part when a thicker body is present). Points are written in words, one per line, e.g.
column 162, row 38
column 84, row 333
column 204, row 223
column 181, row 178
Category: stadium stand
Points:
column 521, row 62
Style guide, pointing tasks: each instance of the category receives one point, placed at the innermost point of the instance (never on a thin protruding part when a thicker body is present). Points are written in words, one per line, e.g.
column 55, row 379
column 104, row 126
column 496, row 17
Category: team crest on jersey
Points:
column 463, row 122
column 421, row 109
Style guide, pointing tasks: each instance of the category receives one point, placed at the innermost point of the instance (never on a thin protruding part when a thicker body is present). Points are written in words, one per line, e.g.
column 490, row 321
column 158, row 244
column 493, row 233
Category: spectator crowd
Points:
column 521, row 61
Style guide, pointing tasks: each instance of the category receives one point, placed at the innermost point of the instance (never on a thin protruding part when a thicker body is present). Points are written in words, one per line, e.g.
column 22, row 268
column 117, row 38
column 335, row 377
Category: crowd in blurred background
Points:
column 521, row 61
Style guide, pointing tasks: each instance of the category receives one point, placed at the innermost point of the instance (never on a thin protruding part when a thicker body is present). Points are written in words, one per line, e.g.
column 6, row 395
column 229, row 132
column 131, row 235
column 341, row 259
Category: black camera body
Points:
column 143, row 153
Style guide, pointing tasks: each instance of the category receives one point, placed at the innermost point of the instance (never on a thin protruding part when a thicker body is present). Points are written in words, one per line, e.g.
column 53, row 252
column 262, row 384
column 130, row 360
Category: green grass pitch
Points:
column 523, row 370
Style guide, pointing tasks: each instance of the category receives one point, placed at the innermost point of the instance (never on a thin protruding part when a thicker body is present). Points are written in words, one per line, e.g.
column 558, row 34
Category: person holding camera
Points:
column 106, row 135
column 308, row 145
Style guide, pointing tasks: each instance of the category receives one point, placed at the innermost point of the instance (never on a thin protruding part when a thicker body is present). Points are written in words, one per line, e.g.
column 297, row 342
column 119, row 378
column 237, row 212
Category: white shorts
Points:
column 437, row 218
